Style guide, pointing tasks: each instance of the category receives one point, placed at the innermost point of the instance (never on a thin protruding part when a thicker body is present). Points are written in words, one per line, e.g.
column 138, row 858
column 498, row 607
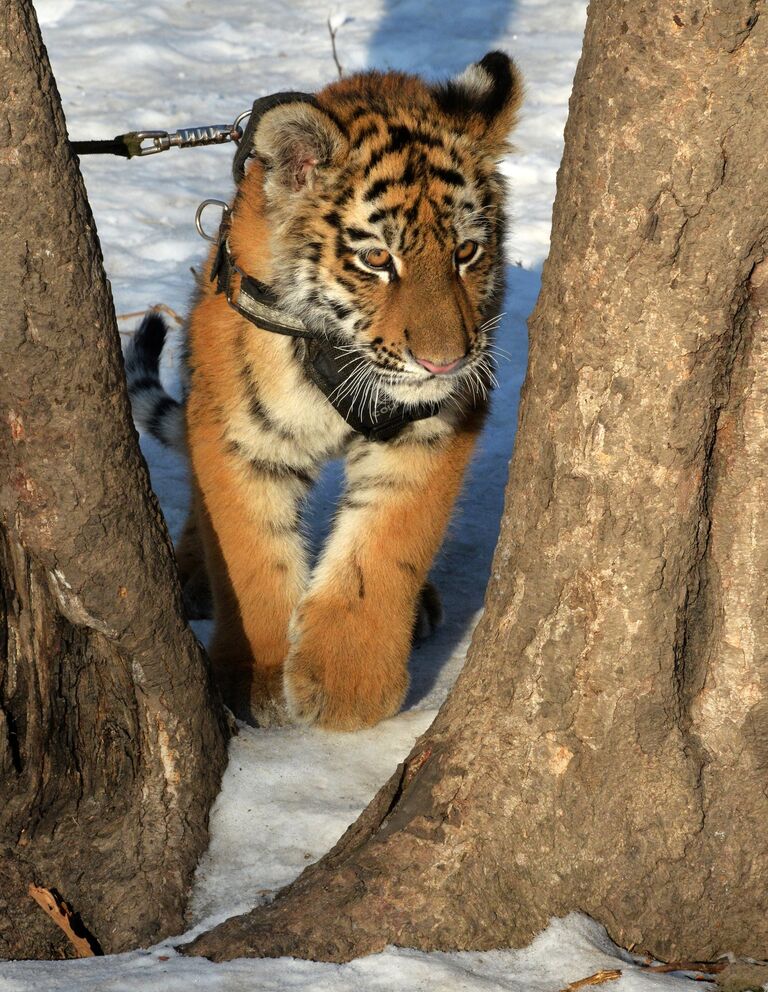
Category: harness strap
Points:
column 328, row 366
column 254, row 301
column 260, row 107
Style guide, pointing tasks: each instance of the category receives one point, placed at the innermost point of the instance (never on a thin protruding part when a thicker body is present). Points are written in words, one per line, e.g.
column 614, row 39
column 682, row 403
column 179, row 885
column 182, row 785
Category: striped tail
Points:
column 154, row 411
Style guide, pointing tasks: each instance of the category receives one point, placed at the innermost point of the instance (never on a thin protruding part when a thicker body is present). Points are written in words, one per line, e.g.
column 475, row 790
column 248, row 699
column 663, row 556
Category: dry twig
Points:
column 332, row 32
column 62, row 915
column 161, row 307
column 705, row 967
column 597, row 979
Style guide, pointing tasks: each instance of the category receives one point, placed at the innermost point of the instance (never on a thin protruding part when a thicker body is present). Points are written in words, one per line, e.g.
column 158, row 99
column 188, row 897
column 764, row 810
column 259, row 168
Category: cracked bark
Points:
column 606, row 746
column 111, row 743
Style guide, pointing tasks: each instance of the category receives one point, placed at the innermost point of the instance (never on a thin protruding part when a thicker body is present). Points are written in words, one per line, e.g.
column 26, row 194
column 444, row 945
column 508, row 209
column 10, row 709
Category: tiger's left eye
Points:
column 465, row 252
column 377, row 258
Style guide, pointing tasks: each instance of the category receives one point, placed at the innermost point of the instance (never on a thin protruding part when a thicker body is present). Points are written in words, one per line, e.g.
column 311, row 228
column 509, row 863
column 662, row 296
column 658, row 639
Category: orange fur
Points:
column 338, row 642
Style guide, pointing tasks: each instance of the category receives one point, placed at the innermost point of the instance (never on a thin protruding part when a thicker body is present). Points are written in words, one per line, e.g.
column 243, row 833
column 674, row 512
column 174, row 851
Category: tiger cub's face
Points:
column 385, row 218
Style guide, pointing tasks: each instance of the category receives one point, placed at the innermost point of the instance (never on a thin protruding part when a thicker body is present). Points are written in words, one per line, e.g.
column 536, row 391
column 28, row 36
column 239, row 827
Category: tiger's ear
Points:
column 485, row 98
column 296, row 141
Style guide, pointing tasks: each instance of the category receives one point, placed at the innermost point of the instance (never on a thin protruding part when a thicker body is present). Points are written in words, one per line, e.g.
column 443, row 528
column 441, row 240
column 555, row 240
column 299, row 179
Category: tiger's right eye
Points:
column 465, row 252
column 376, row 258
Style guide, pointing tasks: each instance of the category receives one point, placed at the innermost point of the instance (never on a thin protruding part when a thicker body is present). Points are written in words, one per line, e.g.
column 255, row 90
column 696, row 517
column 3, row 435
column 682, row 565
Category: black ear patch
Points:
column 500, row 68
column 489, row 89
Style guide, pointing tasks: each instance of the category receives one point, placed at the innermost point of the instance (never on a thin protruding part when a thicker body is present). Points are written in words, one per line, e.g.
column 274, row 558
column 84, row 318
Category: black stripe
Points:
column 144, row 382
column 342, row 248
column 357, row 234
column 282, row 529
column 431, row 441
column 358, row 273
column 336, row 120
column 367, row 132
column 381, row 213
column 449, row 176
column 159, row 411
column 312, row 250
column 374, row 160
column 360, row 581
column 379, row 482
column 257, row 411
column 344, row 195
column 346, row 283
column 279, row 470
column 341, row 311
column 353, row 457
column 400, row 136
column 379, row 187
column 276, row 470
column 357, row 112
column 412, row 213
column 350, row 503
column 256, row 408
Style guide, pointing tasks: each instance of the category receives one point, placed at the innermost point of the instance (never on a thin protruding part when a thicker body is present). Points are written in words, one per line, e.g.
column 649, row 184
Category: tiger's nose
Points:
column 436, row 369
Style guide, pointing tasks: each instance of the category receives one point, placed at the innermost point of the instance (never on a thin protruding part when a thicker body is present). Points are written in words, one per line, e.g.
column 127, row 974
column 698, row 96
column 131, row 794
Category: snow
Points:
column 569, row 950
column 289, row 793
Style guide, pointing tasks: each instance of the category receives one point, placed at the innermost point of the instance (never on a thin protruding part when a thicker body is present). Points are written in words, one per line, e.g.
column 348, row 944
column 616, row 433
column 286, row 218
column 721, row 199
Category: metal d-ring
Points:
column 199, row 219
column 236, row 129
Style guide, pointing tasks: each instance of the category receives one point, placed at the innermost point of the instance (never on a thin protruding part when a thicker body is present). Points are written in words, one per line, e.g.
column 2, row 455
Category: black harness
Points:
column 329, row 366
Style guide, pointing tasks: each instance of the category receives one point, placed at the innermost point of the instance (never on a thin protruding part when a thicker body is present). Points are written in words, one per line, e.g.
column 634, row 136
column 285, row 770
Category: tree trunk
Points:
column 606, row 746
column 111, row 742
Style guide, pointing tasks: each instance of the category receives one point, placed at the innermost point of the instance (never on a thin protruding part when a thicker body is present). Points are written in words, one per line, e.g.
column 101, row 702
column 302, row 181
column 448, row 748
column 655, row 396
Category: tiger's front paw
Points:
column 336, row 691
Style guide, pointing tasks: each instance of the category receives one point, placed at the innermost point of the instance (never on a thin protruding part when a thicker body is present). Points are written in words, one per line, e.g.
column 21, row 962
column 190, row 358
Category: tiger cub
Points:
column 367, row 232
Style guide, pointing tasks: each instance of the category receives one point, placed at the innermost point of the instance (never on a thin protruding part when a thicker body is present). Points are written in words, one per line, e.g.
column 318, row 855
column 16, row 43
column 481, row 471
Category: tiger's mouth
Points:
column 409, row 382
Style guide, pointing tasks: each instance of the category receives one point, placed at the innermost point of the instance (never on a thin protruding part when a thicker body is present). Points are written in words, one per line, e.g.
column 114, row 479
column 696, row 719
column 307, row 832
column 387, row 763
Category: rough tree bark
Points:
column 606, row 747
column 111, row 742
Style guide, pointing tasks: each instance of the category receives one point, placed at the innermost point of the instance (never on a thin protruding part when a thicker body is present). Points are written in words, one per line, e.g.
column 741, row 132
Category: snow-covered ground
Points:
column 569, row 950
column 288, row 794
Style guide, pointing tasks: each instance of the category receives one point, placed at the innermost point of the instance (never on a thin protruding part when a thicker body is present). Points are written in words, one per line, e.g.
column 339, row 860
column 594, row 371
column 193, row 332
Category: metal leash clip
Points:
column 137, row 144
column 185, row 137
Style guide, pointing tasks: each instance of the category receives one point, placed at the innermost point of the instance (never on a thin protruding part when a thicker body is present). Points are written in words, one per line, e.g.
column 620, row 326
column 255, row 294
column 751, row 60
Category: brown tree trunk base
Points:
column 112, row 741
column 606, row 746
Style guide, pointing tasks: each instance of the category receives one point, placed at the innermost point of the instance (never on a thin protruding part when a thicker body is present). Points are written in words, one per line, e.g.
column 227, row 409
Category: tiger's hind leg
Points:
column 193, row 574
column 429, row 612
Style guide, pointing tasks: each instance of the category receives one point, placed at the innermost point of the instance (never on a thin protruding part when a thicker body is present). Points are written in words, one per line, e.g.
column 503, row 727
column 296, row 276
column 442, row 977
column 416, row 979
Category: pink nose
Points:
column 437, row 369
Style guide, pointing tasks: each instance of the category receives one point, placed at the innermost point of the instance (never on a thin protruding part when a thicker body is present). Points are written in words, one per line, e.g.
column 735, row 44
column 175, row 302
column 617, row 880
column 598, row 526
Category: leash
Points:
column 138, row 144
column 326, row 363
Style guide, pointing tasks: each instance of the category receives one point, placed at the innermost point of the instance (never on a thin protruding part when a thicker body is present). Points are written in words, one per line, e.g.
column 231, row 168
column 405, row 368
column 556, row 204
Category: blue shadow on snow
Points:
column 437, row 38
